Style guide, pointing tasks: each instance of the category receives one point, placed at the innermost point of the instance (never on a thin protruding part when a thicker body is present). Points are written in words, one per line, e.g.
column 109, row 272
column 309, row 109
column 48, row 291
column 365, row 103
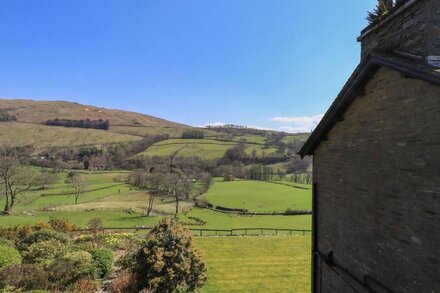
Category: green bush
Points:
column 24, row 276
column 6, row 242
column 44, row 252
column 103, row 261
column 8, row 256
column 67, row 270
column 168, row 261
column 42, row 235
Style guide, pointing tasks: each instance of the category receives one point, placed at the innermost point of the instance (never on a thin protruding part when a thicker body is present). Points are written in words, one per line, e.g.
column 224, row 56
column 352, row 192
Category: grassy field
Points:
column 258, row 196
column 206, row 148
column 42, row 137
column 257, row 264
column 111, row 200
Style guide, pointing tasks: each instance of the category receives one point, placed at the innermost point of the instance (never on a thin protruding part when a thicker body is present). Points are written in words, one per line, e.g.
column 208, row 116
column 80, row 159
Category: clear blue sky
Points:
column 191, row 61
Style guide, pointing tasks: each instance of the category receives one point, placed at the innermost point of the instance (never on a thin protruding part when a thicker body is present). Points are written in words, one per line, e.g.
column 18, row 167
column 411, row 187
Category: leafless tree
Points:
column 15, row 179
column 79, row 185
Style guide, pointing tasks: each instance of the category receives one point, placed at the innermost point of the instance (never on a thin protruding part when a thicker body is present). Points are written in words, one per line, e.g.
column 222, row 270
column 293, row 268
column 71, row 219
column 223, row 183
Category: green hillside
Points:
column 42, row 137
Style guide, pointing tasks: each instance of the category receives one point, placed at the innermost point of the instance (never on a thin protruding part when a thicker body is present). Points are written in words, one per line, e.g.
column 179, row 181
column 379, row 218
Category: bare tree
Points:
column 151, row 198
column 15, row 179
column 79, row 185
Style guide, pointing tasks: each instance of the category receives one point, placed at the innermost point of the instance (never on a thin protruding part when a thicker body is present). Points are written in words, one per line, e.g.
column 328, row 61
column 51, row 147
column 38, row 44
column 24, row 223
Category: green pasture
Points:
column 42, row 137
column 256, row 264
column 260, row 196
column 111, row 200
column 204, row 148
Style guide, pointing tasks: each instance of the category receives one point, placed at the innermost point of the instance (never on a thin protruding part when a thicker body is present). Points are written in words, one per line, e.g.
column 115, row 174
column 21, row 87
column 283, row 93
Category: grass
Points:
column 42, row 137
column 257, row 264
column 259, row 196
column 110, row 203
column 204, row 148
column 174, row 132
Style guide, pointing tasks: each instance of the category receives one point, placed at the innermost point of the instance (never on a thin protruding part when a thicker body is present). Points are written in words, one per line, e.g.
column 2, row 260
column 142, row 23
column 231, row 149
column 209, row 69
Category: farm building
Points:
column 376, row 158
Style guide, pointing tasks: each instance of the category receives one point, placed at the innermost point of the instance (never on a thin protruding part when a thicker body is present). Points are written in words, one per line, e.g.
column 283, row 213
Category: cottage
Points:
column 376, row 158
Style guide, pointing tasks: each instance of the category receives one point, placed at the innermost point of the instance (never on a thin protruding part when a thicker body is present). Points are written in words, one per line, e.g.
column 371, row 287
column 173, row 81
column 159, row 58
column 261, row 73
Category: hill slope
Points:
column 40, row 111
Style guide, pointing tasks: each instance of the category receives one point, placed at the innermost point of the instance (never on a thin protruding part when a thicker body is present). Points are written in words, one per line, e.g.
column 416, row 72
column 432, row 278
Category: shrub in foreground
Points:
column 103, row 261
column 24, row 276
column 168, row 261
column 9, row 255
column 65, row 271
column 44, row 252
column 42, row 235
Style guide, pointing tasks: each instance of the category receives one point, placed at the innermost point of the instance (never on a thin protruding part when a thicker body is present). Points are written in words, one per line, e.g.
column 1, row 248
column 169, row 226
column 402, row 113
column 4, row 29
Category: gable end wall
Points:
column 378, row 188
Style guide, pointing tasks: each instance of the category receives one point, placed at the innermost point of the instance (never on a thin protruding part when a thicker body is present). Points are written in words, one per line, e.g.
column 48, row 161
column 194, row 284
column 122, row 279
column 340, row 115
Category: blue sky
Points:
column 275, row 63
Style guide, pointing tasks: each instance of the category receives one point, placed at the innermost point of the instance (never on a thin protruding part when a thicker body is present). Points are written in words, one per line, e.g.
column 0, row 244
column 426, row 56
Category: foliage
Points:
column 95, row 224
column 168, row 260
column 8, row 256
column 124, row 282
column 85, row 285
column 103, row 261
column 61, row 225
column 6, row 117
column 193, row 134
column 44, row 252
column 42, row 235
column 382, row 9
column 67, row 270
column 11, row 289
column 96, row 124
column 24, row 276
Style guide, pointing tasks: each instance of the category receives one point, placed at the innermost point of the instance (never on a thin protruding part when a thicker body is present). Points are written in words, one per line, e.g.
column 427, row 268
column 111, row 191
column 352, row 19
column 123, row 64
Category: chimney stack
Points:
column 411, row 27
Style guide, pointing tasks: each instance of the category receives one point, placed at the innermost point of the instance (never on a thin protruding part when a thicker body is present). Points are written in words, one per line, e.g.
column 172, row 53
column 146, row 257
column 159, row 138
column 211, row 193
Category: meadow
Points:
column 207, row 148
column 259, row 196
column 119, row 204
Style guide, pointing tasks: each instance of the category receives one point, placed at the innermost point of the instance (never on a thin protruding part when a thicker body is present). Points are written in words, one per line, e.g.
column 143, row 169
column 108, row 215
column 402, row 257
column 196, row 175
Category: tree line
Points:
column 87, row 123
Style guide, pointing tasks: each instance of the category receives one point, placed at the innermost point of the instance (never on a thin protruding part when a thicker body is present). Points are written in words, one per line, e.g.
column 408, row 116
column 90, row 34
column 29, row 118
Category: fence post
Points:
column 261, row 231
column 290, row 232
column 216, row 233
column 304, row 233
column 276, row 231
column 245, row 231
column 231, row 232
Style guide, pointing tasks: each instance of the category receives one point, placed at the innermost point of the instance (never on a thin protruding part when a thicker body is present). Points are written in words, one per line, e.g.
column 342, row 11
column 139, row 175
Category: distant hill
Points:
column 41, row 111
column 24, row 123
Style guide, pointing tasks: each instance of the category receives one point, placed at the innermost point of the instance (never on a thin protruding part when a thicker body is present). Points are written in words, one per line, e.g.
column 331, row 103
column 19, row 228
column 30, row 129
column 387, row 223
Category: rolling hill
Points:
column 26, row 126
column 40, row 111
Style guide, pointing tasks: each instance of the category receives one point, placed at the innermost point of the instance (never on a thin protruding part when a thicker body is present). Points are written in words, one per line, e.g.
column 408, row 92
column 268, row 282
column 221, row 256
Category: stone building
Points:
column 376, row 158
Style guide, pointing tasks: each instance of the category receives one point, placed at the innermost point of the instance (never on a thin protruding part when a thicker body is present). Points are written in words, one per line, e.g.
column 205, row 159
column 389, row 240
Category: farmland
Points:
column 257, row 196
column 205, row 148
column 111, row 200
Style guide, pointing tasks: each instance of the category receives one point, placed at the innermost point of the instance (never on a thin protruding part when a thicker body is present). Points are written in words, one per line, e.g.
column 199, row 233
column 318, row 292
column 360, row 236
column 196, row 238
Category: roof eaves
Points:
column 353, row 88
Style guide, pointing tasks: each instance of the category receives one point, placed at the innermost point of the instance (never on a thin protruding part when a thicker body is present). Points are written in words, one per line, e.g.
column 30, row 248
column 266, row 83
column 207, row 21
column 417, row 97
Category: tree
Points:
column 78, row 183
column 168, row 261
column 15, row 179
column 206, row 181
column 382, row 9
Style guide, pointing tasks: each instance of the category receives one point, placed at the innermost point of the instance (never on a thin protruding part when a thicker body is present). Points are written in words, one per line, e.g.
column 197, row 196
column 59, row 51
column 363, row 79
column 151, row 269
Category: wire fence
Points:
column 213, row 232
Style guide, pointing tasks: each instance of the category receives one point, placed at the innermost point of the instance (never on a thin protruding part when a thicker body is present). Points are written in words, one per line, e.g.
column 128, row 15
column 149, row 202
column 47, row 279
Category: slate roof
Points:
column 408, row 66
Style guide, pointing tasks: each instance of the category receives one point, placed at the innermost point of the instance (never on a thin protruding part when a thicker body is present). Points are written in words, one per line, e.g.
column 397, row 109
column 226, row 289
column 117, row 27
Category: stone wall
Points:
column 415, row 30
column 378, row 188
